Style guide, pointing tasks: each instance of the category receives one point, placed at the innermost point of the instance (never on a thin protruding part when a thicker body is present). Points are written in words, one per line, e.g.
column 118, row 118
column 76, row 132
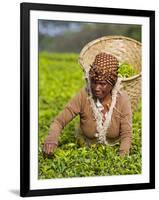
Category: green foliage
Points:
column 126, row 71
column 69, row 40
column 60, row 77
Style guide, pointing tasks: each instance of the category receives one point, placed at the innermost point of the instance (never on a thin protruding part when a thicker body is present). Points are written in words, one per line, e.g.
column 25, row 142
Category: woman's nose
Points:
column 97, row 87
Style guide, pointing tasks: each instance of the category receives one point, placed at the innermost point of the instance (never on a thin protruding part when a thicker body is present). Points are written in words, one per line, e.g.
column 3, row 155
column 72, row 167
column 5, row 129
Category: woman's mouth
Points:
column 98, row 93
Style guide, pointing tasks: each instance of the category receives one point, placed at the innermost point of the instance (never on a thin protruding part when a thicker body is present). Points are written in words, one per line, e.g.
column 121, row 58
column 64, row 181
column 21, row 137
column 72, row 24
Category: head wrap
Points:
column 104, row 68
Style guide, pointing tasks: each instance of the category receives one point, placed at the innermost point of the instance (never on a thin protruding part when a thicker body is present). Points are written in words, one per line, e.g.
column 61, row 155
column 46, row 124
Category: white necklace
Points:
column 102, row 127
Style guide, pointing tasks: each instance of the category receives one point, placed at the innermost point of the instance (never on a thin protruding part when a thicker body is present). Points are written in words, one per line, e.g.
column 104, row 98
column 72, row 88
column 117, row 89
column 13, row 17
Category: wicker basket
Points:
column 126, row 50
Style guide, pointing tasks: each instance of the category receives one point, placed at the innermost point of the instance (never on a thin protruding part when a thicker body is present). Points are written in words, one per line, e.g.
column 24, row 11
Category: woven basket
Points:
column 126, row 50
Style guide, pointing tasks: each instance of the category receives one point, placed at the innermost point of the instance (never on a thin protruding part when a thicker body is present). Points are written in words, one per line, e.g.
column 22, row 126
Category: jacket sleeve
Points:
column 71, row 110
column 126, row 126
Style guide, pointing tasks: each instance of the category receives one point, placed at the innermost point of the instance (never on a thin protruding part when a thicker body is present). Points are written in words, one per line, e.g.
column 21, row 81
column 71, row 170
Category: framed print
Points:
column 87, row 99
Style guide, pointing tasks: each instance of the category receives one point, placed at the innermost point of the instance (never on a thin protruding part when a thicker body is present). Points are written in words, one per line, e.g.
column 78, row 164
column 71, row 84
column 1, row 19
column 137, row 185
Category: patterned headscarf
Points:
column 104, row 68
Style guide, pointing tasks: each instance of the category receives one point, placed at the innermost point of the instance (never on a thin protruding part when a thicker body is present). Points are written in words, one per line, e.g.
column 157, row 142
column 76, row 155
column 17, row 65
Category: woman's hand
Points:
column 49, row 147
column 123, row 154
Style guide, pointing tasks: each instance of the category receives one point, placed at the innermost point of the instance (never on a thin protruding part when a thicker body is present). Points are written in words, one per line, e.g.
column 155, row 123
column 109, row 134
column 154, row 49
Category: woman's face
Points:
column 100, row 89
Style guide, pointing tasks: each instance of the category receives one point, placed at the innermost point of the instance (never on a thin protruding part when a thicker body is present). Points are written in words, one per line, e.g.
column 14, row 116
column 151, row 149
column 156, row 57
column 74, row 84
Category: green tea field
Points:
column 60, row 78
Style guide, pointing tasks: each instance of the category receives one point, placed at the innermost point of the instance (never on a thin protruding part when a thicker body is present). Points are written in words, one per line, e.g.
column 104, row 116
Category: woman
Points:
column 104, row 109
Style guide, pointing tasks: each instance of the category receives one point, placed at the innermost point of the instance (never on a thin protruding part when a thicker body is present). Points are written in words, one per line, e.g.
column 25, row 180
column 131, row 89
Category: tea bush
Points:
column 60, row 77
column 126, row 71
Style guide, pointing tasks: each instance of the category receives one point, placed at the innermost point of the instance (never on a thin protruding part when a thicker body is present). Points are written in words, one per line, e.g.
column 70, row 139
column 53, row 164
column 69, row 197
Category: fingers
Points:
column 48, row 148
column 122, row 153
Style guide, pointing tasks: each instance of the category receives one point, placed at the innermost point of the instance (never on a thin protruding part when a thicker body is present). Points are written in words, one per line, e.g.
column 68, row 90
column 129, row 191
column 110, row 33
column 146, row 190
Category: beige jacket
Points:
column 120, row 127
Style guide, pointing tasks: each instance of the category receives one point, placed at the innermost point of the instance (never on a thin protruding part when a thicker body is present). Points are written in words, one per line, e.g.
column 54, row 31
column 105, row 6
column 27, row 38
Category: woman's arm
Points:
column 126, row 126
column 71, row 110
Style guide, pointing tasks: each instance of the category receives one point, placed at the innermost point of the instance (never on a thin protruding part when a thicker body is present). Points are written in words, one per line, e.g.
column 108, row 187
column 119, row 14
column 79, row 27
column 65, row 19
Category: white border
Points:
column 86, row 181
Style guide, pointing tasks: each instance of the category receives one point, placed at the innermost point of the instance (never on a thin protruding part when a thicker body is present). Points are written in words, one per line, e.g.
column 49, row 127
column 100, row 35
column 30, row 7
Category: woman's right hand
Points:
column 49, row 147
